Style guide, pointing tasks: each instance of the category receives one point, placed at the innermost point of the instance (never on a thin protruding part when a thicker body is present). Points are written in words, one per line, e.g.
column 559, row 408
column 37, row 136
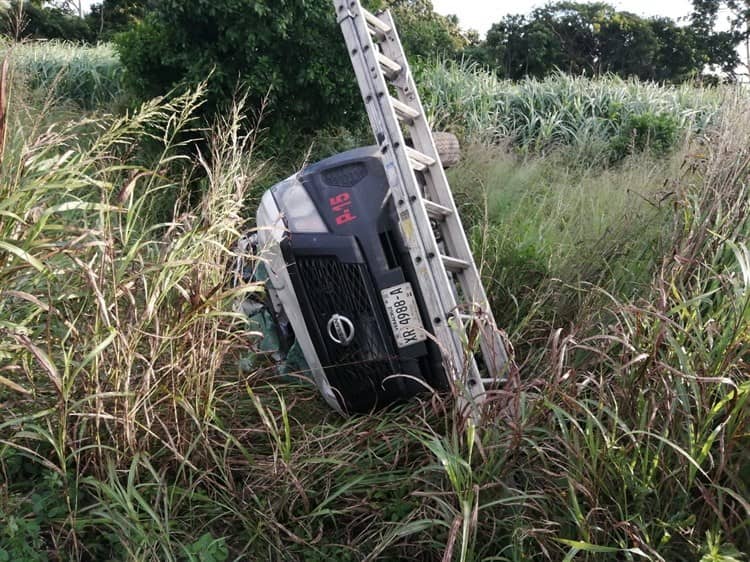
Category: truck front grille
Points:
column 333, row 287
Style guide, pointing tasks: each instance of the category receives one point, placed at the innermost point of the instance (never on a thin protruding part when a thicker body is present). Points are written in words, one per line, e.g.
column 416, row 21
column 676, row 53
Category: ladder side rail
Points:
column 493, row 348
column 374, row 90
column 464, row 363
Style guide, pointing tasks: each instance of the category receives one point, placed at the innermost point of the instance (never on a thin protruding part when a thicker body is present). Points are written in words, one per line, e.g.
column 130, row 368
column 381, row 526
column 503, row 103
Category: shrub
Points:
column 657, row 132
column 293, row 58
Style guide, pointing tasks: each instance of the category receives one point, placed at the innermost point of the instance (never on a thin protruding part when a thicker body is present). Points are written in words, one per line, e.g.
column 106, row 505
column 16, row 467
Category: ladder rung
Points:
column 435, row 210
column 377, row 27
column 381, row 69
column 403, row 111
column 419, row 161
column 454, row 264
column 390, row 67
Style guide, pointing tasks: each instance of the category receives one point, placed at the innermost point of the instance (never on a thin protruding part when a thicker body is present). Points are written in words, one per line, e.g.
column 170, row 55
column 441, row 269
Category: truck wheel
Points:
column 448, row 148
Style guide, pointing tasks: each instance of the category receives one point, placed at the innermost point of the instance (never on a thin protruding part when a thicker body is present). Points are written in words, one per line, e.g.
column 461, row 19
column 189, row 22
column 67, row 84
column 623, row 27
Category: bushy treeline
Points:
column 595, row 38
column 24, row 19
column 292, row 61
column 293, row 65
column 64, row 19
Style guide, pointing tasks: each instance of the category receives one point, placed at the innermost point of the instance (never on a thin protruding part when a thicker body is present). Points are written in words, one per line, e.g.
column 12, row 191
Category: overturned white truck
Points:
column 369, row 270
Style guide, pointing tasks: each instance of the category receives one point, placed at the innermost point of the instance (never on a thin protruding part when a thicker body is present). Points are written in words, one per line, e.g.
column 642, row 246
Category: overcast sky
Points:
column 481, row 14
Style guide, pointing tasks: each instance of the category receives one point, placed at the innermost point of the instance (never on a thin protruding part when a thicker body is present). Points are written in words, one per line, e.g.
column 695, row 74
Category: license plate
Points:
column 403, row 314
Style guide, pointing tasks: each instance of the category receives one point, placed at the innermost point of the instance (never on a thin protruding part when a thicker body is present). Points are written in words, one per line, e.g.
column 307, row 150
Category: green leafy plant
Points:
column 208, row 549
column 91, row 77
column 717, row 551
column 658, row 133
column 291, row 60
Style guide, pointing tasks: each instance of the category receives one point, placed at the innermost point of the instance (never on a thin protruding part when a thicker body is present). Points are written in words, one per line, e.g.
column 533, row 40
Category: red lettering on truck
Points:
column 341, row 205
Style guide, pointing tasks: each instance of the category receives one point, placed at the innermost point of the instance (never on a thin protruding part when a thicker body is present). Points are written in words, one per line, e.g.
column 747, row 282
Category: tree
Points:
column 287, row 52
column 292, row 53
column 680, row 55
column 722, row 45
column 422, row 31
column 518, row 46
column 44, row 23
column 596, row 38
column 628, row 46
column 114, row 16
column 558, row 36
column 73, row 7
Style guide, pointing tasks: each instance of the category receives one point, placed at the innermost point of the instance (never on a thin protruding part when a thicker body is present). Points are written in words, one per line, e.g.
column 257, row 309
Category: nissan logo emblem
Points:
column 340, row 329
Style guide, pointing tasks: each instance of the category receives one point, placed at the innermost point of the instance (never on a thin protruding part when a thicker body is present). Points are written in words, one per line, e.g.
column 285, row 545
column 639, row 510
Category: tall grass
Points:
column 547, row 231
column 603, row 118
column 128, row 432
column 90, row 76
column 113, row 327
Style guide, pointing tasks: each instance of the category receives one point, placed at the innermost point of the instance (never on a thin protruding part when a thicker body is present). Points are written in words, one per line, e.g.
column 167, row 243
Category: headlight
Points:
column 299, row 210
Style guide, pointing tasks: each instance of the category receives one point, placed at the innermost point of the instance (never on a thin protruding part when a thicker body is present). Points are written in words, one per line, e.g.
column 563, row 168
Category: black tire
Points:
column 448, row 148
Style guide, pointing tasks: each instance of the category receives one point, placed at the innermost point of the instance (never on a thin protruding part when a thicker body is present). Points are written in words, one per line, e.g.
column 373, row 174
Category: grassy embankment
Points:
column 89, row 77
column 621, row 275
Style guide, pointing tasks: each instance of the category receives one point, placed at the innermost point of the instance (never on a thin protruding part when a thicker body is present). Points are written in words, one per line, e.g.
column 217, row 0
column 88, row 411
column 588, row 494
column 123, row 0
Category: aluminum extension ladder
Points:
column 447, row 275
